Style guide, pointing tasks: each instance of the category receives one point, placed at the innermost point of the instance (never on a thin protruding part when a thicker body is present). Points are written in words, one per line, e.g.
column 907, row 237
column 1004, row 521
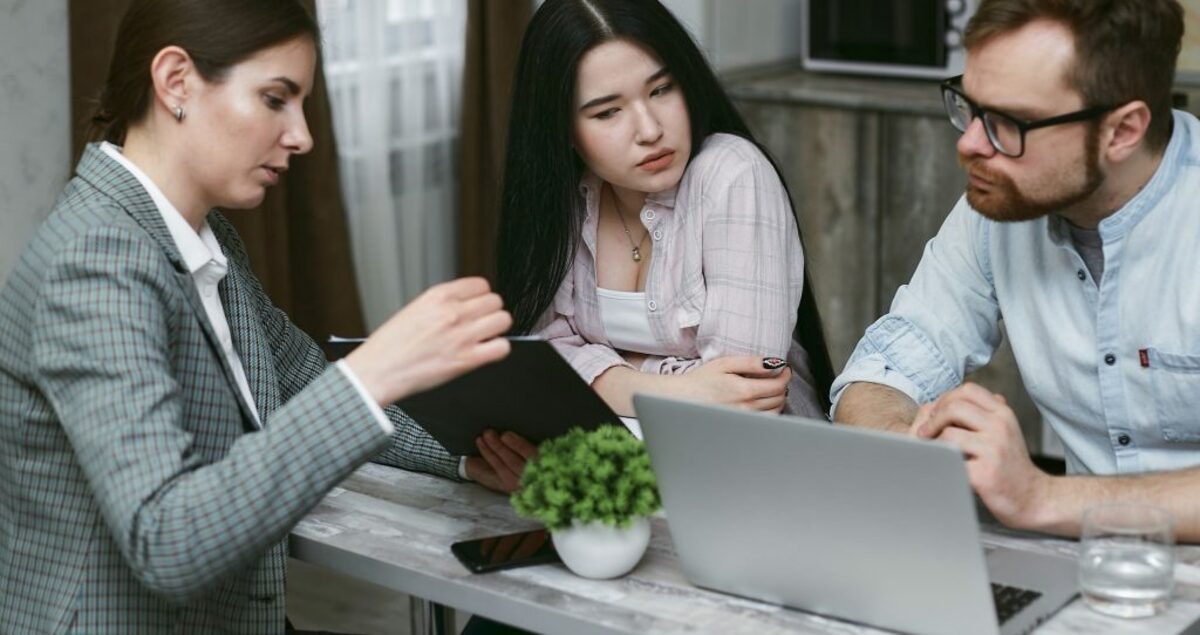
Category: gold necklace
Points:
column 636, row 252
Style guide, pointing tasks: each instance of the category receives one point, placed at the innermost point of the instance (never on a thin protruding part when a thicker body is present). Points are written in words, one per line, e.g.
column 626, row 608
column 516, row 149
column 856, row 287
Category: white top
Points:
column 208, row 265
column 626, row 323
column 628, row 329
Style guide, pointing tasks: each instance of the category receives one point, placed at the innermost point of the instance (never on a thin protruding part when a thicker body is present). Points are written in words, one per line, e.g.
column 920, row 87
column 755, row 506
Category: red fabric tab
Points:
column 1144, row 356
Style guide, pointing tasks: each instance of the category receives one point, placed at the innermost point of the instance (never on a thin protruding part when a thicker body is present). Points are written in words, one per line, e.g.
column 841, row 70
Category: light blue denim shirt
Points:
column 1114, row 369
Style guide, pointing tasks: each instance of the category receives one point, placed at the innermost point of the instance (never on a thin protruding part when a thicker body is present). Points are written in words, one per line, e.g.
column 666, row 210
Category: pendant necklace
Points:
column 636, row 252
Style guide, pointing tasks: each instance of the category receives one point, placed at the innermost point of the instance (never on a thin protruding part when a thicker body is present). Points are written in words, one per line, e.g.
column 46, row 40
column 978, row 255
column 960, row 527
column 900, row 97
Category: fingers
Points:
column 501, row 460
column 486, row 352
column 462, row 288
column 969, row 406
column 969, row 443
column 766, row 387
column 507, row 463
column 745, row 365
column 978, row 395
column 518, row 444
column 479, row 306
column 488, row 326
column 481, row 472
column 961, row 413
column 505, row 480
column 774, row 403
column 760, row 367
column 510, row 459
column 923, row 414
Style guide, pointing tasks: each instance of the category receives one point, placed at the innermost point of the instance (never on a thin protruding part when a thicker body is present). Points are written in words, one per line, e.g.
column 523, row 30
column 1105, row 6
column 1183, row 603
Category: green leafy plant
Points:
column 602, row 475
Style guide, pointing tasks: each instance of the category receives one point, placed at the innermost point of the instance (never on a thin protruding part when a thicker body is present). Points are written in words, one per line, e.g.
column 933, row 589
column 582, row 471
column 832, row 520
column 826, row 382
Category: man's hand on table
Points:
column 985, row 429
column 501, row 461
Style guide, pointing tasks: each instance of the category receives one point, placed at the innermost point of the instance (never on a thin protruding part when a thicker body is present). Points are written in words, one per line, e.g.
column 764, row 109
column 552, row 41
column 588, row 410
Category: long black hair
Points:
column 541, row 208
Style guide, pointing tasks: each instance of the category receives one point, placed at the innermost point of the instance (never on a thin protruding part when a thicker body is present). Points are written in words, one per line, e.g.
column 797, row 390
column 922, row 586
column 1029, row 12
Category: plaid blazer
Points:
column 136, row 495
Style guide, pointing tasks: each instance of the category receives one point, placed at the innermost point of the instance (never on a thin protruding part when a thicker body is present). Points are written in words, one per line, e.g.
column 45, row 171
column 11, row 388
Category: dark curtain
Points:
column 494, row 30
column 298, row 240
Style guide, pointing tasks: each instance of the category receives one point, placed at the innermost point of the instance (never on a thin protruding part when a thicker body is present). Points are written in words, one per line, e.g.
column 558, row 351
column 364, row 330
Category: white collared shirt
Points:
column 208, row 265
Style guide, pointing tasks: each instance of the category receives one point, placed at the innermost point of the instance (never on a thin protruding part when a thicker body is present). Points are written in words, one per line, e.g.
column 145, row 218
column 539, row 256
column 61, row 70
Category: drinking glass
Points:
column 1126, row 559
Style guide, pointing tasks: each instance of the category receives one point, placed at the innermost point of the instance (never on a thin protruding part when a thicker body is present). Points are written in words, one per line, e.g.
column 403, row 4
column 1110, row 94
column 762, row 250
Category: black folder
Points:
column 533, row 392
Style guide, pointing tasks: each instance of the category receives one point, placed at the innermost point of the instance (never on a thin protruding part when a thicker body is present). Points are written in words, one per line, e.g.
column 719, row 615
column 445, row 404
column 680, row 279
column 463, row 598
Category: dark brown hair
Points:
column 1125, row 50
column 217, row 34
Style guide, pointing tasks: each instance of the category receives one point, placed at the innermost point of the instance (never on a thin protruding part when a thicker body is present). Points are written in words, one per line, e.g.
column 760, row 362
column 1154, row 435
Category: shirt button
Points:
column 1124, row 439
column 657, row 235
column 649, row 214
column 1081, row 275
column 1110, row 359
column 209, row 292
column 652, row 305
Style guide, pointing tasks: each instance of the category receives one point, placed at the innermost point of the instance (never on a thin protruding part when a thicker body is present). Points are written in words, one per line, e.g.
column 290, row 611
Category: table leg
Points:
column 430, row 618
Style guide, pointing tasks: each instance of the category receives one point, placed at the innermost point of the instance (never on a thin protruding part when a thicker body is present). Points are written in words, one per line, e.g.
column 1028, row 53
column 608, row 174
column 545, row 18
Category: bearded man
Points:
column 1080, row 228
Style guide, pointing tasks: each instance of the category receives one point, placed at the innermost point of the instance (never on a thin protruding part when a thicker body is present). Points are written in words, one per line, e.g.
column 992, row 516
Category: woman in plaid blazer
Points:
column 162, row 425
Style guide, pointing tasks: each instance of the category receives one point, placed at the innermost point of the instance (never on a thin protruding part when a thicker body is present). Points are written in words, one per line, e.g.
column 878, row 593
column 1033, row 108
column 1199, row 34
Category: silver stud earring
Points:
column 178, row 112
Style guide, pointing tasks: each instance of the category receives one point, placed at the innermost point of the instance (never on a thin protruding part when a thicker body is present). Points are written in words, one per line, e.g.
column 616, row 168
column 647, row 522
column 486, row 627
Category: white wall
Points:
column 739, row 33
column 35, row 130
column 750, row 32
column 694, row 14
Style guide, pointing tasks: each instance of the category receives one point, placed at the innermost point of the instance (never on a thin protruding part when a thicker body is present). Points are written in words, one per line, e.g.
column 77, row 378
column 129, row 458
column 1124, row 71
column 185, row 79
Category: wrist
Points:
column 371, row 378
column 1041, row 511
column 681, row 387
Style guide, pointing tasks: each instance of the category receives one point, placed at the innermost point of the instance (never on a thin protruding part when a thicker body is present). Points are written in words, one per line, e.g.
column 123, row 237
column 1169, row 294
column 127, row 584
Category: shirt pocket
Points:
column 1176, row 383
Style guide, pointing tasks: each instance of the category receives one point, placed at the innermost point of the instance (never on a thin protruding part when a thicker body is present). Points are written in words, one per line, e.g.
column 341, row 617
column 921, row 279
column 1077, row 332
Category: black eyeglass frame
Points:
column 1023, row 126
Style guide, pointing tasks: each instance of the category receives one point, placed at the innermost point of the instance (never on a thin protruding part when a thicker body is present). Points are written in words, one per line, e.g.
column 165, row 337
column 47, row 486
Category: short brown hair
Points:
column 1125, row 50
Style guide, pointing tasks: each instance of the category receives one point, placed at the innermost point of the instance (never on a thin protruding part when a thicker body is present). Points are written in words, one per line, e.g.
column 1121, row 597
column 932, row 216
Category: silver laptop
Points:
column 862, row 525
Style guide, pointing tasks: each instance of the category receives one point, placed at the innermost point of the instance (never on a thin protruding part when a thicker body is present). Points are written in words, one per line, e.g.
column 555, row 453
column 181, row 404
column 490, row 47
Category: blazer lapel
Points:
column 111, row 178
column 249, row 340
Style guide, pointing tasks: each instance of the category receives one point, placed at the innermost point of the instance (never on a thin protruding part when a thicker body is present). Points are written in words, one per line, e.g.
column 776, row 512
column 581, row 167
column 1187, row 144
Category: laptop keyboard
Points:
column 1010, row 600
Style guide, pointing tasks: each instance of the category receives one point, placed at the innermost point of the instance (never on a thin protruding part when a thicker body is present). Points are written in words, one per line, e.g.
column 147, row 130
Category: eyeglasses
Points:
column 1006, row 133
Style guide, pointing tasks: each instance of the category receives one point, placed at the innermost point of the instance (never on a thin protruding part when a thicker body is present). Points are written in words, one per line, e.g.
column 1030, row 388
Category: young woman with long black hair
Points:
column 643, row 230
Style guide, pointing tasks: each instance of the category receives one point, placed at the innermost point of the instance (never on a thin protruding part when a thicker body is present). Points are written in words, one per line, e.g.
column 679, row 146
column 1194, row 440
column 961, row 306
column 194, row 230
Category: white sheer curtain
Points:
column 394, row 70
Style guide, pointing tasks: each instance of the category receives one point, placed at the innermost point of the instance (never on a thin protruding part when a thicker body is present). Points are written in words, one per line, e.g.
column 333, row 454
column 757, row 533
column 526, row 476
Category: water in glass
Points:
column 1126, row 578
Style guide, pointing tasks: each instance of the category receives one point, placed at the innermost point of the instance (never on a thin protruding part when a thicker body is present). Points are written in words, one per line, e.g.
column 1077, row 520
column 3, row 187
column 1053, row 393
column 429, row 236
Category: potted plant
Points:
column 594, row 491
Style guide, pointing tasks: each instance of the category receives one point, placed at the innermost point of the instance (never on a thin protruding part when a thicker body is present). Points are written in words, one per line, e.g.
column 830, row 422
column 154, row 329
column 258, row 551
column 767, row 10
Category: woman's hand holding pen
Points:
column 750, row 382
column 448, row 330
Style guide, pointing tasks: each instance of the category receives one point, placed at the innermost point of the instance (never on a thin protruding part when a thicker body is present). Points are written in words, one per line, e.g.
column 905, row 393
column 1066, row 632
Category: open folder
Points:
column 533, row 392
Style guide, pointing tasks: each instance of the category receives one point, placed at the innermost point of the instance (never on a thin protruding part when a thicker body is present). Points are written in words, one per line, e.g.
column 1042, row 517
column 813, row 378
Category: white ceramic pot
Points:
column 600, row 551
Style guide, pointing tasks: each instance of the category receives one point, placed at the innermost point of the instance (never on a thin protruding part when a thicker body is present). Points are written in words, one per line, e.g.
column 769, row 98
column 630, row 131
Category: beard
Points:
column 1006, row 203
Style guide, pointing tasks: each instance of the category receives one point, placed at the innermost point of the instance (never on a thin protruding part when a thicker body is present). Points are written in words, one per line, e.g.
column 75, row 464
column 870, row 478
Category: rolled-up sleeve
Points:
column 942, row 325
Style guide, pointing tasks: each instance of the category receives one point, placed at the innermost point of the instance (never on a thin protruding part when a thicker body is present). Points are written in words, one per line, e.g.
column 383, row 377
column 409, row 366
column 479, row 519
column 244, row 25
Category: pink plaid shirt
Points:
column 725, row 277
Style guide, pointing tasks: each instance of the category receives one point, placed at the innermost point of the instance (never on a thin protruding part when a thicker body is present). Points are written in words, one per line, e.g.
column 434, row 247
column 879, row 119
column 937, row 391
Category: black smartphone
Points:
column 507, row 551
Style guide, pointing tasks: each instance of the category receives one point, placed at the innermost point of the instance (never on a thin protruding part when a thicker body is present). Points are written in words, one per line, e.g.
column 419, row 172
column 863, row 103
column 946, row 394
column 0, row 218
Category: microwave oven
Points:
column 907, row 38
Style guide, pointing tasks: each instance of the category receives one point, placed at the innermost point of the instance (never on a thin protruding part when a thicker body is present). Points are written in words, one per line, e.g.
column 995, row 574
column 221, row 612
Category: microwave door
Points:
column 886, row 32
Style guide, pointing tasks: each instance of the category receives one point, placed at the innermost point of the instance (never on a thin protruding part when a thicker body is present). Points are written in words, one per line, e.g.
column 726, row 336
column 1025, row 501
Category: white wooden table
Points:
column 394, row 528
